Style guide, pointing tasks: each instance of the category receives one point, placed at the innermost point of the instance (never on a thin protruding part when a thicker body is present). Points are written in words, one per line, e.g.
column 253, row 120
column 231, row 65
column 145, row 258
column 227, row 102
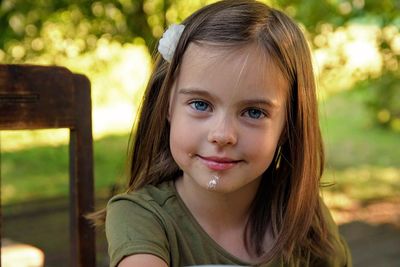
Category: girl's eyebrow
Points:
column 247, row 102
column 194, row 91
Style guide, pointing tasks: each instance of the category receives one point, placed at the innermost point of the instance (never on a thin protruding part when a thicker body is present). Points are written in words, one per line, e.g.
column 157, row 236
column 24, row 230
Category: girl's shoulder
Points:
column 149, row 195
column 134, row 219
column 149, row 207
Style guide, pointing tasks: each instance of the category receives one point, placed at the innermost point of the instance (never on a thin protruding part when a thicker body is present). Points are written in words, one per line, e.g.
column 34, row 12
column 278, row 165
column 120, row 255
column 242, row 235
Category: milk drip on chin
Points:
column 212, row 184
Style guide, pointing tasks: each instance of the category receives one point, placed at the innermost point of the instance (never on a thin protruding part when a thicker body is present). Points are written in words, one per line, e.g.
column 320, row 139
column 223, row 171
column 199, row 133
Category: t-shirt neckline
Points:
column 197, row 225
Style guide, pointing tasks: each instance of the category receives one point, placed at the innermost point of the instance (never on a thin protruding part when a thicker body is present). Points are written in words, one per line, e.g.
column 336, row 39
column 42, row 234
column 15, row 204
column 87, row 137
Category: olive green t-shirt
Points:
column 154, row 220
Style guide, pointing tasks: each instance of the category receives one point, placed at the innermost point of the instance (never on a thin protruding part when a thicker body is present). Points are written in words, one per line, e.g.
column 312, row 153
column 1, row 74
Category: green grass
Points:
column 363, row 161
column 350, row 137
column 42, row 172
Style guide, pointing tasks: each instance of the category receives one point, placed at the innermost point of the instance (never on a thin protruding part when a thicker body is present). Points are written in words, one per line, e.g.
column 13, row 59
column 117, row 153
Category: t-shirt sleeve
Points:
column 133, row 228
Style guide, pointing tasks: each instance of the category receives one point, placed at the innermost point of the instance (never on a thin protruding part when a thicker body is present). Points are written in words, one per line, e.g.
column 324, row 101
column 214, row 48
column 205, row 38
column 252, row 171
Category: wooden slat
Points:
column 36, row 97
column 81, row 178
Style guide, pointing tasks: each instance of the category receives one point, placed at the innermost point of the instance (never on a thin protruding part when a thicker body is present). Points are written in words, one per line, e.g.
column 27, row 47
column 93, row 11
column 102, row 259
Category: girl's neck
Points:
column 215, row 210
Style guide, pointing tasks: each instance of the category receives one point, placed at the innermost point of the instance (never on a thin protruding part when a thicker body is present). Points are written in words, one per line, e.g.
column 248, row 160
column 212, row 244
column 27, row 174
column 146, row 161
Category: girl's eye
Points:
column 199, row 105
column 254, row 113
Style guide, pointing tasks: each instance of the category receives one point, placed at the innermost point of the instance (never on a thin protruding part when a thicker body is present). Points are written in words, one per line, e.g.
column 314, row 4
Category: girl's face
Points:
column 227, row 112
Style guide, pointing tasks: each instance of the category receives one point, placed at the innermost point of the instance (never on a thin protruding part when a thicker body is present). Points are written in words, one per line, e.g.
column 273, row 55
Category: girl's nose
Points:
column 223, row 133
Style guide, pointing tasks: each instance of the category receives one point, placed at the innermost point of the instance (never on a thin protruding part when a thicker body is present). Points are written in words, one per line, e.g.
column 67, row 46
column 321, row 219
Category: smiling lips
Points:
column 219, row 164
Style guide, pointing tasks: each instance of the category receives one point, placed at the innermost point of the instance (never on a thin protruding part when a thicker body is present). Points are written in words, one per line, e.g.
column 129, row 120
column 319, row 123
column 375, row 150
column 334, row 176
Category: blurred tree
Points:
column 32, row 28
column 357, row 45
column 314, row 13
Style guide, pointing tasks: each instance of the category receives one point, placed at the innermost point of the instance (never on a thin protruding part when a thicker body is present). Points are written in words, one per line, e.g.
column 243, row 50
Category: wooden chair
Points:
column 43, row 97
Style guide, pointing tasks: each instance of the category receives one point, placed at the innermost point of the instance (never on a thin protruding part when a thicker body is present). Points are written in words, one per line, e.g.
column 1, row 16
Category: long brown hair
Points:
column 287, row 202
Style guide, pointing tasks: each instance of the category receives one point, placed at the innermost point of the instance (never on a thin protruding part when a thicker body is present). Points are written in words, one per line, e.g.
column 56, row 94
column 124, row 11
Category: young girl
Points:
column 227, row 154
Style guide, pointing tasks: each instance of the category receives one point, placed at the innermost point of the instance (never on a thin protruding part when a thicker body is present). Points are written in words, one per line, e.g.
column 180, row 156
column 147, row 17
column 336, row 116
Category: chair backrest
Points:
column 43, row 97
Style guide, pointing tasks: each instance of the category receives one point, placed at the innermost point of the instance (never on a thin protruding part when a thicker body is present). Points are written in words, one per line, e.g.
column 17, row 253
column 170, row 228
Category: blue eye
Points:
column 199, row 105
column 254, row 113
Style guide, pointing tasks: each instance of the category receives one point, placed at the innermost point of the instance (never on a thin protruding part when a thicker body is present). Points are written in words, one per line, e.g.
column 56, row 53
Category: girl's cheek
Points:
column 258, row 144
column 184, row 135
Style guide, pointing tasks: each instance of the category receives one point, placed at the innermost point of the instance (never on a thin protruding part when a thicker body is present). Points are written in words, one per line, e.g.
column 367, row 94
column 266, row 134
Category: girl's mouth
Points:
column 219, row 163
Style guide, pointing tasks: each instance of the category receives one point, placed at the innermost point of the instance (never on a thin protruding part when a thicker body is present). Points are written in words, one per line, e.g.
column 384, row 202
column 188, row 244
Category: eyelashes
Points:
column 254, row 113
column 199, row 105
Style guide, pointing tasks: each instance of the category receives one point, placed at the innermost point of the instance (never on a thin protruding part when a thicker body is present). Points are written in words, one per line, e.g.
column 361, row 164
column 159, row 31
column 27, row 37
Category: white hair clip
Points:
column 169, row 41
